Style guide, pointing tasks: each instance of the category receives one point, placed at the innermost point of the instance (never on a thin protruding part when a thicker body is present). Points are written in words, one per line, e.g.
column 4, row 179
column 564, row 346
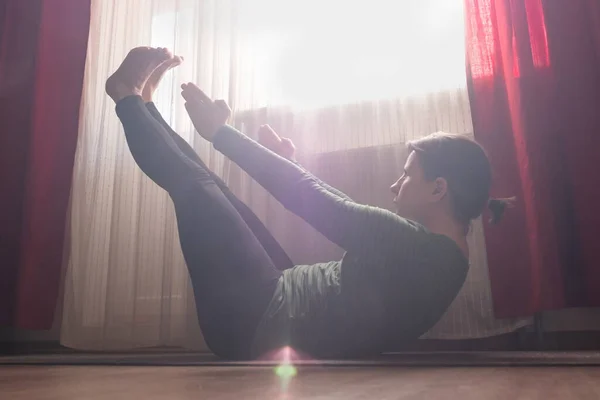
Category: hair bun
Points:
column 497, row 208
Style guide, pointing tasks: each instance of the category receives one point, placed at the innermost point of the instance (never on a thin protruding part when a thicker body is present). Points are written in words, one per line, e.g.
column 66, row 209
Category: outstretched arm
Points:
column 348, row 224
column 286, row 149
column 325, row 186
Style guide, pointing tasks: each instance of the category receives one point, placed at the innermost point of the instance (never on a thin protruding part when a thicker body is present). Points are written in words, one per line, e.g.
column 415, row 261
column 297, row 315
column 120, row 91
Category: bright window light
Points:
column 318, row 53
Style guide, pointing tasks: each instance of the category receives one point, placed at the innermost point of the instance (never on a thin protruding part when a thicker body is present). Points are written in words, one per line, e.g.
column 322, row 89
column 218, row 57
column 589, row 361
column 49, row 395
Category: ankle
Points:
column 147, row 95
column 118, row 91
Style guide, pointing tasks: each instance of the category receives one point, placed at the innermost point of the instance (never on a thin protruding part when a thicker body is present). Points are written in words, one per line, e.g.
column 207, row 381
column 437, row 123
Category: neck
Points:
column 444, row 225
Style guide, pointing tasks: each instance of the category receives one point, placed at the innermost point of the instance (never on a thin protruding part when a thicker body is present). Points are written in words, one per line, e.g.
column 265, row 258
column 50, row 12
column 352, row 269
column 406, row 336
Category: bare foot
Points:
column 157, row 75
column 129, row 79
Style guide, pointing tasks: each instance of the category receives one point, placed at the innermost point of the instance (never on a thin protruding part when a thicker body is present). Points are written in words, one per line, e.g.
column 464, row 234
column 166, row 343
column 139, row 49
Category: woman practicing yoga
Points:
column 398, row 276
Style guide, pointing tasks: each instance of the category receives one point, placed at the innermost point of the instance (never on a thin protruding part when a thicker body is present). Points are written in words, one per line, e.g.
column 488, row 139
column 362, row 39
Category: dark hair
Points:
column 464, row 165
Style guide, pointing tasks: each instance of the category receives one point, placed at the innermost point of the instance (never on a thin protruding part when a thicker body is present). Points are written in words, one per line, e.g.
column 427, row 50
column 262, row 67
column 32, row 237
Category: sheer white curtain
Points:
column 335, row 76
column 126, row 283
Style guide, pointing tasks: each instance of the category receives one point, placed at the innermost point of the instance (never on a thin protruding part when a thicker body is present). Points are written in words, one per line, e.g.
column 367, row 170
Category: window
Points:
column 317, row 53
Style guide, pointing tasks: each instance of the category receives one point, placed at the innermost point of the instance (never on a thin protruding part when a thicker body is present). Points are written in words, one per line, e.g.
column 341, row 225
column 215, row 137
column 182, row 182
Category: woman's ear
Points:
column 440, row 188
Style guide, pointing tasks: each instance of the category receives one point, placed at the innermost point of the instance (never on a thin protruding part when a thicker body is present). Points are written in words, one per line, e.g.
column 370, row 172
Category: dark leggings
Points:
column 229, row 253
column 280, row 258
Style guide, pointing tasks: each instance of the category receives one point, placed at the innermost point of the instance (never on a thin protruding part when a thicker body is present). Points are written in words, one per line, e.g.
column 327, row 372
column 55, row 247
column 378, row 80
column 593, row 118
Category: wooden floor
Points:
column 217, row 383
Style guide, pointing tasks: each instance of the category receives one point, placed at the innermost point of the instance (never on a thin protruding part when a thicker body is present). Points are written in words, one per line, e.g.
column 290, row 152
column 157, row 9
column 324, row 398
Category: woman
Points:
column 399, row 275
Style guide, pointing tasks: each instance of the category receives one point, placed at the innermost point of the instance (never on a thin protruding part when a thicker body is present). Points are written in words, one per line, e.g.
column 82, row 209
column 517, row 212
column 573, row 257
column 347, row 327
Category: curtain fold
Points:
column 41, row 74
column 574, row 41
column 533, row 71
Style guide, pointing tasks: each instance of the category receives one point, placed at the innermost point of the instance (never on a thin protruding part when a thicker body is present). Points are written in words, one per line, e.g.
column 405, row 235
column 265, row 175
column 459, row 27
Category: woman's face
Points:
column 414, row 194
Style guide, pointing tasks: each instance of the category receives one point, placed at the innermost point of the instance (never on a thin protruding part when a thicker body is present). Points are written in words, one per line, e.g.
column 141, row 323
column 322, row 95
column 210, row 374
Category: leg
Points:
column 280, row 258
column 232, row 275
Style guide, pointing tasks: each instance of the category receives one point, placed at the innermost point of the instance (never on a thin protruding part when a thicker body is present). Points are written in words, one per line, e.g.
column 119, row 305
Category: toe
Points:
column 164, row 53
column 140, row 49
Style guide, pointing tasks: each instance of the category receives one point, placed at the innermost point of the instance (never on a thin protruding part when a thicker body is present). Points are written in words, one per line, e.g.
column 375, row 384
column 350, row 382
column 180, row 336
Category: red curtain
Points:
column 534, row 82
column 43, row 46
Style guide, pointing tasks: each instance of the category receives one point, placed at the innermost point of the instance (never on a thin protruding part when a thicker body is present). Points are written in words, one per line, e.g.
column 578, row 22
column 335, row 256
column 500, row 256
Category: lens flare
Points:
column 286, row 371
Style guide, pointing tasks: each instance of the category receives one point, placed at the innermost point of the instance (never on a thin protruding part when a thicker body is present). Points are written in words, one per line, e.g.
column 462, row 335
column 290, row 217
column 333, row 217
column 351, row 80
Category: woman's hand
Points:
column 207, row 116
column 277, row 144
